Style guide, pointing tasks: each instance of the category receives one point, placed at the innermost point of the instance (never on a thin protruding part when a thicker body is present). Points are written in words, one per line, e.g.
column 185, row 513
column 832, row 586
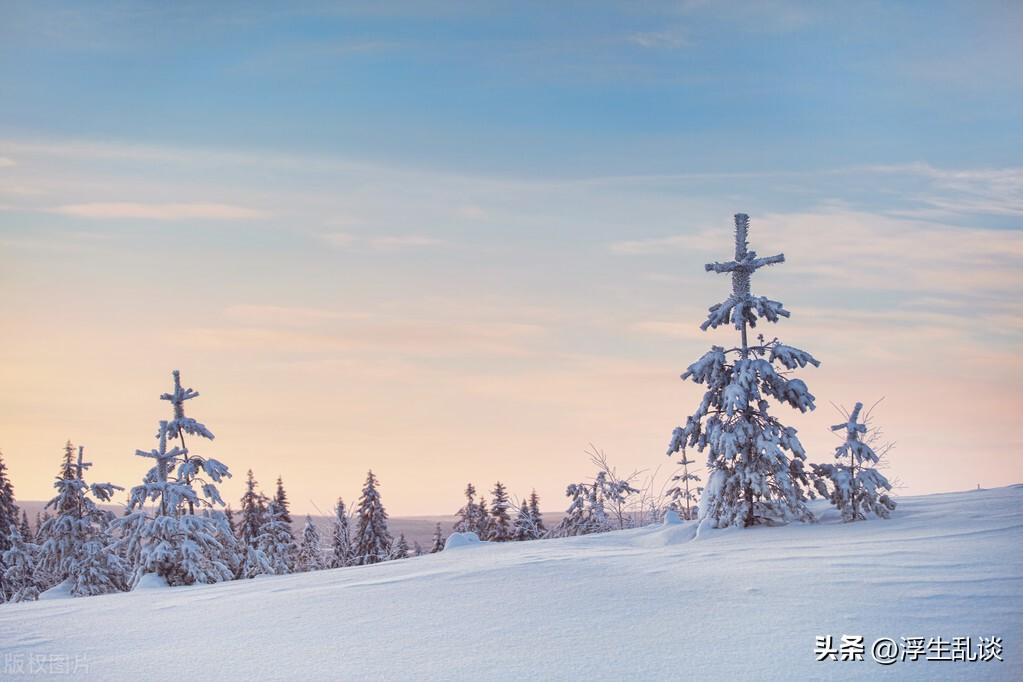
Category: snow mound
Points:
column 151, row 581
column 58, row 591
column 457, row 540
column 671, row 518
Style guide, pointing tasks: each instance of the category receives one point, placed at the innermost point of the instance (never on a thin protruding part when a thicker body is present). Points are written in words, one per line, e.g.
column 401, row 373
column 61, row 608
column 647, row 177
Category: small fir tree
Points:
column 438, row 540
column 685, row 493
column 276, row 540
column 8, row 509
column 310, row 553
column 173, row 541
column 24, row 528
column 500, row 522
column 401, row 548
column 77, row 550
column 282, row 500
column 537, row 517
column 253, row 511
column 342, row 551
column 372, row 539
column 468, row 517
column 18, row 569
column 858, row 488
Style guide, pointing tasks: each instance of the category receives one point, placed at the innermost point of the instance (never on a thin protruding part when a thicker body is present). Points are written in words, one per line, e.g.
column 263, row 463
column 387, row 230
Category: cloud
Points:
column 339, row 239
column 7, row 162
column 347, row 240
column 282, row 330
column 402, row 242
column 671, row 39
column 675, row 330
column 160, row 211
column 285, row 316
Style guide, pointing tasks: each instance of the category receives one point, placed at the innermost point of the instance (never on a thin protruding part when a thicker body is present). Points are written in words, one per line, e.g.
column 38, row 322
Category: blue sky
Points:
column 460, row 241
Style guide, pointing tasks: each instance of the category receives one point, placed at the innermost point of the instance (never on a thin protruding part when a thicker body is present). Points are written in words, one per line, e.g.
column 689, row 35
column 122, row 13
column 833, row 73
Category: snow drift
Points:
column 649, row 603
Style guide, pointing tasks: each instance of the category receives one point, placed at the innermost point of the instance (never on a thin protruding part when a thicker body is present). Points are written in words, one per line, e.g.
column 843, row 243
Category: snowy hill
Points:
column 650, row 603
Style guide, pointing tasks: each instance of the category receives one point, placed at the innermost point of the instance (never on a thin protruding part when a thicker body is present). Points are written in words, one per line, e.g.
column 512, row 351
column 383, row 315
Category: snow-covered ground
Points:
column 650, row 603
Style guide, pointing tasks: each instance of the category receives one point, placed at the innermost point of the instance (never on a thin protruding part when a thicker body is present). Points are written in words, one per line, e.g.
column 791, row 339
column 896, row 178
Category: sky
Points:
column 455, row 241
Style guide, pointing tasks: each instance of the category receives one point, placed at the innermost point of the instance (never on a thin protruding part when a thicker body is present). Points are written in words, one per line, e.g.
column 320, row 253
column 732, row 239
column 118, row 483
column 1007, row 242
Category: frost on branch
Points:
column 756, row 463
column 858, row 489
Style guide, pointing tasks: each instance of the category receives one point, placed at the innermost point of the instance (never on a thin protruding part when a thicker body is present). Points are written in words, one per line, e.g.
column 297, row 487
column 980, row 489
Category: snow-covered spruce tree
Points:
column 172, row 541
column 67, row 465
column 400, row 550
column 276, row 540
column 78, row 548
column 685, row 493
column 755, row 462
column 483, row 522
column 232, row 552
column 857, row 487
column 372, row 539
column 438, row 540
column 282, row 500
column 24, row 528
column 500, row 521
column 523, row 525
column 310, row 553
column 537, row 517
column 18, row 569
column 585, row 513
column 253, row 510
column 342, row 550
column 469, row 515
column 8, row 509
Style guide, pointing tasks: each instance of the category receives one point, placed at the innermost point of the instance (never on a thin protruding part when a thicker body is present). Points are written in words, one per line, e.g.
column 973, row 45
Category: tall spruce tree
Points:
column 8, row 509
column 858, row 488
column 755, row 462
column 372, row 539
column 500, row 521
column 172, row 541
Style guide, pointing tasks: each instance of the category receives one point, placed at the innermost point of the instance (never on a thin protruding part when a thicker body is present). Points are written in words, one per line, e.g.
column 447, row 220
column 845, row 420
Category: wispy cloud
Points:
column 160, row 211
column 669, row 39
column 7, row 162
column 347, row 240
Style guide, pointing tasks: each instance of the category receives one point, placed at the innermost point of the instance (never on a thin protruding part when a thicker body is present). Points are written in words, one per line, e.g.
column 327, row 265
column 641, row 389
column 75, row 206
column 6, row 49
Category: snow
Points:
column 151, row 581
column 650, row 603
column 457, row 540
column 671, row 518
column 61, row 590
